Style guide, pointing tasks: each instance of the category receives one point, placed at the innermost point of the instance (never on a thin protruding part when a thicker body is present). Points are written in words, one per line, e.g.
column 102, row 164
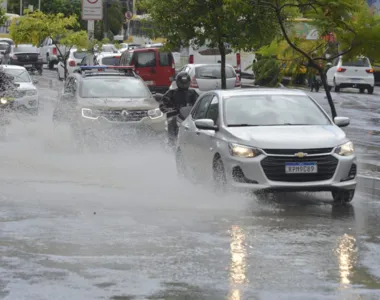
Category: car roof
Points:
column 259, row 91
column 13, row 67
column 203, row 65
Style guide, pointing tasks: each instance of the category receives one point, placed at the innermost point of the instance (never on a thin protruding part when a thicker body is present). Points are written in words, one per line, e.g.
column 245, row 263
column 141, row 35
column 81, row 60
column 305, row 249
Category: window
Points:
column 125, row 59
column 362, row 62
column 79, row 54
column 144, row 59
column 19, row 75
column 213, row 110
column 165, row 59
column 273, row 110
column 110, row 61
column 213, row 72
column 202, row 107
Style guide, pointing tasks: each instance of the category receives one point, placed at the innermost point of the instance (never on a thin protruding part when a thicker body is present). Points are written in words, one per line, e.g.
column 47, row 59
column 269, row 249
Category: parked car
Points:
column 49, row 52
column 27, row 92
column 355, row 74
column 266, row 140
column 207, row 77
column 5, row 50
column 156, row 67
column 72, row 58
column 7, row 40
column 27, row 56
column 108, row 48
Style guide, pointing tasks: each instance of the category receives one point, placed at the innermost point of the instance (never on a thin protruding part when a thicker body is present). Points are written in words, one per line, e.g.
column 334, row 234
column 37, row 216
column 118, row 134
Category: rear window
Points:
column 144, row 59
column 110, row 61
column 29, row 49
column 165, row 59
column 80, row 55
column 363, row 62
column 213, row 72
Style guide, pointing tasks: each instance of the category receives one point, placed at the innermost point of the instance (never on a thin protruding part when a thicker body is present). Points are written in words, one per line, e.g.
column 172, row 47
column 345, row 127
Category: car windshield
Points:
column 79, row 54
column 273, row 110
column 213, row 72
column 110, row 61
column 114, row 88
column 20, row 75
column 362, row 62
column 25, row 48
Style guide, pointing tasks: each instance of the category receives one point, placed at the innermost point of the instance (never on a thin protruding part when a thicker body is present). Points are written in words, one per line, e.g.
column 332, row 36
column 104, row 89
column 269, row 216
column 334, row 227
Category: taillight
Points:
column 238, row 62
column 14, row 57
column 194, row 83
column 54, row 51
column 369, row 71
column 191, row 59
column 237, row 83
column 72, row 63
column 340, row 70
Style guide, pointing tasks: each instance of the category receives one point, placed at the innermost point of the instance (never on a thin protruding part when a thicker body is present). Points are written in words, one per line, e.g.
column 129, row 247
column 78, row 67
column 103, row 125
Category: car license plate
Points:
column 301, row 167
column 149, row 82
column 28, row 66
column 356, row 79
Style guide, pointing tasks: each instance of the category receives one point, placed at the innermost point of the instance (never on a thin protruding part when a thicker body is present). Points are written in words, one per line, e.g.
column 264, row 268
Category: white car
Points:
column 207, row 77
column 27, row 92
column 266, row 140
column 354, row 74
column 75, row 57
column 108, row 59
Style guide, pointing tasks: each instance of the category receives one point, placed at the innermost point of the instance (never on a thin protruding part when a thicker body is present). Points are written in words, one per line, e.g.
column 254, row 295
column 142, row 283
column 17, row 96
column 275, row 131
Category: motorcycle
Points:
column 316, row 83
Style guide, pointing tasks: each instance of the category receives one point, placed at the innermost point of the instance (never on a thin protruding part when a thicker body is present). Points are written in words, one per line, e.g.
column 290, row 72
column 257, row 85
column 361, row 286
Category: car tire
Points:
column 39, row 71
column 370, row 90
column 343, row 196
column 219, row 174
column 51, row 65
column 361, row 91
column 59, row 77
column 180, row 164
column 336, row 87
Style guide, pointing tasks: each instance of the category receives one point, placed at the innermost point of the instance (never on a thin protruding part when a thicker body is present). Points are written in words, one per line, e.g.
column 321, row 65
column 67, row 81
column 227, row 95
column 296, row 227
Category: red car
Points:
column 154, row 66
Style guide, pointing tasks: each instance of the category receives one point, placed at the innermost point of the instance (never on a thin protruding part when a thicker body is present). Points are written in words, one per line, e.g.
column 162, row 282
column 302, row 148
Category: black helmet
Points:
column 183, row 80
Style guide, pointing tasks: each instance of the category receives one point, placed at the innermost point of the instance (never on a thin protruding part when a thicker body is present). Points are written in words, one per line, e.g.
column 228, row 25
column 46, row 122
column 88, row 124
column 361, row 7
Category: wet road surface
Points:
column 121, row 225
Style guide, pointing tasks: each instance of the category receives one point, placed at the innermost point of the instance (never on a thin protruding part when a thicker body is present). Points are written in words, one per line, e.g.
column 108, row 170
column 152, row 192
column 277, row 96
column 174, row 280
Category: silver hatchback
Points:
column 267, row 139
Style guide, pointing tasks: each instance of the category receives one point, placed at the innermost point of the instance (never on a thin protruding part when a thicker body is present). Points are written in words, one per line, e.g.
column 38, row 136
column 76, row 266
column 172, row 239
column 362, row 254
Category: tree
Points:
column 350, row 22
column 3, row 17
column 35, row 27
column 214, row 23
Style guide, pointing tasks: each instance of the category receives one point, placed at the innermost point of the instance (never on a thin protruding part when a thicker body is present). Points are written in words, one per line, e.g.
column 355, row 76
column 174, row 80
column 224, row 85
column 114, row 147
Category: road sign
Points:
column 129, row 15
column 92, row 10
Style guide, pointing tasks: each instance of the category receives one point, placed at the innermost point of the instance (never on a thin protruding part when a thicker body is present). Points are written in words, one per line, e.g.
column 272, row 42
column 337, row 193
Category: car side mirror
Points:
column 184, row 112
column 205, row 124
column 341, row 121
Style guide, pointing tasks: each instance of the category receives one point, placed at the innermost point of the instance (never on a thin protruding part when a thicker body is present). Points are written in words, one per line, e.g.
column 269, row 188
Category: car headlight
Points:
column 243, row 151
column 89, row 114
column 155, row 113
column 31, row 92
column 346, row 149
column 3, row 101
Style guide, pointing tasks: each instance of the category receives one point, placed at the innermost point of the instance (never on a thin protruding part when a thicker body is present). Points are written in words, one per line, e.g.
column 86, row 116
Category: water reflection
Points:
column 346, row 252
column 238, row 266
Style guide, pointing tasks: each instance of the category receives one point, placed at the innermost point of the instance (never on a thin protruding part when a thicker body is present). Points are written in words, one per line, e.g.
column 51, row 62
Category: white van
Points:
column 241, row 61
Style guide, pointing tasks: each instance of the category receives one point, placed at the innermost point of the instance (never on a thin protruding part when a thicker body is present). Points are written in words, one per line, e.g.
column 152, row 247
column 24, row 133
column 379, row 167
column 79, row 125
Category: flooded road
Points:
column 120, row 225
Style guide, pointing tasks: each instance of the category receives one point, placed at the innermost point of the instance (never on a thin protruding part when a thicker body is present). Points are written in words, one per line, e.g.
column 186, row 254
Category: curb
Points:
column 369, row 182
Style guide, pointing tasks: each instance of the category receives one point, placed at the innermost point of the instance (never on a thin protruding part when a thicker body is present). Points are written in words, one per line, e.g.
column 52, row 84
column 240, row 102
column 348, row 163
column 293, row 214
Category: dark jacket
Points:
column 178, row 98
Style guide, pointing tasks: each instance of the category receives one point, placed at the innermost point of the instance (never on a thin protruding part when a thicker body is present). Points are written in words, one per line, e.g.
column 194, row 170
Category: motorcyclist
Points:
column 175, row 99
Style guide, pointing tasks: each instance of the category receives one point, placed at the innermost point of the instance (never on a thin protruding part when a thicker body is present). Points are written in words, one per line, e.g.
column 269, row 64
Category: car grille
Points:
column 31, row 57
column 20, row 94
column 293, row 151
column 274, row 168
column 117, row 116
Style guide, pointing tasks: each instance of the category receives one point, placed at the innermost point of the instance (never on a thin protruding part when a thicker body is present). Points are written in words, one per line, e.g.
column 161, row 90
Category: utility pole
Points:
column 39, row 5
column 21, row 7
column 105, row 18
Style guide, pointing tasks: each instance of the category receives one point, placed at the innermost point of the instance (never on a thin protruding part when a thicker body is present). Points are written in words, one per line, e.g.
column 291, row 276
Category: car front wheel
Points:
column 344, row 196
column 370, row 90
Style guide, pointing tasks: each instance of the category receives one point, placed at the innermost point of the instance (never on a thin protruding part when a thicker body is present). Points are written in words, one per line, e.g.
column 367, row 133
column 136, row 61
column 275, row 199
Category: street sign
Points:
column 92, row 10
column 129, row 15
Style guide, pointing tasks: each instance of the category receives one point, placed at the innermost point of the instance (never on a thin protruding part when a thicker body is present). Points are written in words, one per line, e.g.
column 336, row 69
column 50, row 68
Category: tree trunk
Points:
column 327, row 91
column 222, row 50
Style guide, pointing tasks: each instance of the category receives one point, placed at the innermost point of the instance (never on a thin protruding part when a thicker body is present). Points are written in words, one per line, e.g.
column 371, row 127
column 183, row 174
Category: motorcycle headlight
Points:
column 89, row 114
column 155, row 113
column 31, row 92
column 3, row 101
column 243, row 151
column 346, row 149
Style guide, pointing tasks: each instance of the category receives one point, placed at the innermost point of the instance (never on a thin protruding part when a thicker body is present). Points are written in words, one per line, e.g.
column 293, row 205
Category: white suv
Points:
column 354, row 74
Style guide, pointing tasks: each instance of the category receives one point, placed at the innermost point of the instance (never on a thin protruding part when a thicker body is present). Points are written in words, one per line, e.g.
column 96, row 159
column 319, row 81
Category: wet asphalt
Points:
column 118, row 224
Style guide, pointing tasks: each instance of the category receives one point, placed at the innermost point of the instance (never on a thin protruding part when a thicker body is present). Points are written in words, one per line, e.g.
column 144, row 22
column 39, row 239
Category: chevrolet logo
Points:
column 300, row 154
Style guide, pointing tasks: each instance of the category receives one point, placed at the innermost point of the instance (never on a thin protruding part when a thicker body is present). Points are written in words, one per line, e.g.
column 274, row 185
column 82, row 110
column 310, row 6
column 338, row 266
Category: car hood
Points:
column 115, row 103
column 289, row 137
column 26, row 86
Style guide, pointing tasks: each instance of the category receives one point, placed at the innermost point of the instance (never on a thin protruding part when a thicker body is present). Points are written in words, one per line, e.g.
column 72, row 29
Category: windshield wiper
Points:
column 242, row 125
